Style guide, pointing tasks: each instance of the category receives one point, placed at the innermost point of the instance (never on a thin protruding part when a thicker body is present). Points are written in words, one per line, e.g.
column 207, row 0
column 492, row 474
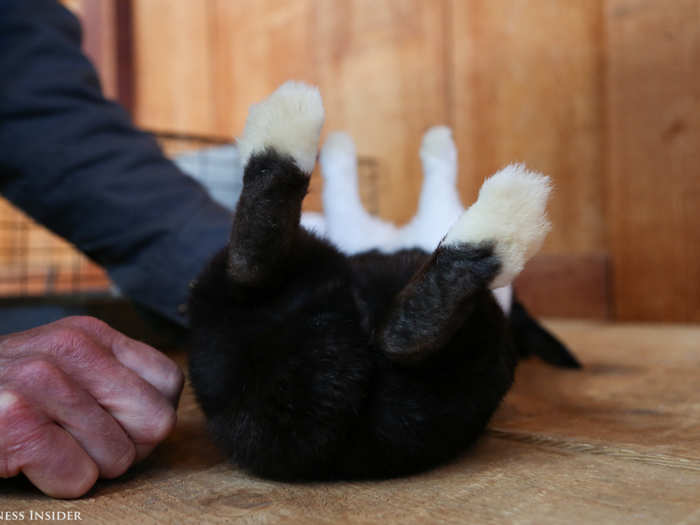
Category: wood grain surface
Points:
column 654, row 159
column 618, row 442
column 388, row 71
column 526, row 86
column 567, row 285
column 382, row 72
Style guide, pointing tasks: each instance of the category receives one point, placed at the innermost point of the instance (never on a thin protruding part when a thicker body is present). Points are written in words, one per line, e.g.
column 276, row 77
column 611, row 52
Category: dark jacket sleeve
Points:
column 75, row 163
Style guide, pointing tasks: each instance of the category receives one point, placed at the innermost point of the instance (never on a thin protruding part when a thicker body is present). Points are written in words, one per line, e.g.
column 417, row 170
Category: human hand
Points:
column 78, row 401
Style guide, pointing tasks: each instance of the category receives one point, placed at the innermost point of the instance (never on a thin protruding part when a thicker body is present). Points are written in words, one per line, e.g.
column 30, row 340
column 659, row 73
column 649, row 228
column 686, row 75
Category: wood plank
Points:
column 257, row 45
column 74, row 5
column 98, row 19
column 613, row 443
column 504, row 482
column 389, row 70
column 636, row 397
column 526, row 86
column 653, row 86
column 566, row 285
column 381, row 69
column 234, row 54
column 124, row 51
column 172, row 66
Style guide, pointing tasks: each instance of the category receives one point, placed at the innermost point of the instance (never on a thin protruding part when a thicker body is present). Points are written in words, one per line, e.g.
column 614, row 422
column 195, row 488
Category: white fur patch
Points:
column 348, row 225
column 289, row 121
column 339, row 148
column 437, row 145
column 439, row 205
column 314, row 222
column 511, row 212
column 504, row 297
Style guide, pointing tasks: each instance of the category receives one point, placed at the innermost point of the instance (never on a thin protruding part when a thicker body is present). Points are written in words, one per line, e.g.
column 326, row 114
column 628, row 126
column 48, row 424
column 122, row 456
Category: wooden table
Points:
column 618, row 442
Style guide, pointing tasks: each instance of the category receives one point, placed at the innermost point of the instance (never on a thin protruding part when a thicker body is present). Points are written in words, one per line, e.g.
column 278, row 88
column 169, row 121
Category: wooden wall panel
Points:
column 653, row 86
column 172, row 66
column 228, row 56
column 380, row 66
column 256, row 46
column 389, row 70
column 98, row 18
column 200, row 65
column 566, row 285
column 382, row 74
column 73, row 5
column 526, row 81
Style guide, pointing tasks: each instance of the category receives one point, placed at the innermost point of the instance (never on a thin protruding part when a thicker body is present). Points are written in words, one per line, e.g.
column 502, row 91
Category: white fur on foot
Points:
column 348, row 225
column 314, row 222
column 438, row 146
column 511, row 212
column 338, row 152
column 439, row 205
column 504, row 298
column 289, row 121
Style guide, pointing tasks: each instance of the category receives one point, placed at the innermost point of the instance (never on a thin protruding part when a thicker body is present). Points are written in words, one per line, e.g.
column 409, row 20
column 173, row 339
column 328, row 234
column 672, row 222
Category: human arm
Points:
column 74, row 161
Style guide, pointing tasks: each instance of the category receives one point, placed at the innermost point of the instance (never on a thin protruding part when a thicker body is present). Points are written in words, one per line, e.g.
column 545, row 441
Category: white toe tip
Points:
column 339, row 141
column 338, row 149
column 288, row 121
column 438, row 143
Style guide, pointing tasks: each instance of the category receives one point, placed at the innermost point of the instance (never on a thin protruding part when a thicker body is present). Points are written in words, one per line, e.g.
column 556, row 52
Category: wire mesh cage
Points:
column 35, row 262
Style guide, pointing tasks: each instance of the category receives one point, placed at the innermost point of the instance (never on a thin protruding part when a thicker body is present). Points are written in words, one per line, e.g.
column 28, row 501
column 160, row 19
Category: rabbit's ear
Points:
column 511, row 211
column 531, row 338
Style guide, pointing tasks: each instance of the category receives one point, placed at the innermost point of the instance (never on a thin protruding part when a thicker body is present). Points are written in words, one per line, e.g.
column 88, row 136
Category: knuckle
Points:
column 13, row 411
column 37, row 371
column 68, row 338
column 86, row 322
column 8, row 401
column 73, row 343
column 42, row 376
column 23, row 434
column 10, row 411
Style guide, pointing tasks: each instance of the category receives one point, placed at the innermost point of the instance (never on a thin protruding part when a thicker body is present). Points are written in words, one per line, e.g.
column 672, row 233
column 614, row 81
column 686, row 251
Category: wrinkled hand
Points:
column 78, row 401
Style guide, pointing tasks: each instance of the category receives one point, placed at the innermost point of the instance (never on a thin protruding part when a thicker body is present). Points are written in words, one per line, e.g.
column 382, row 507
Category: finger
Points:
column 50, row 390
column 142, row 411
column 48, row 455
column 150, row 364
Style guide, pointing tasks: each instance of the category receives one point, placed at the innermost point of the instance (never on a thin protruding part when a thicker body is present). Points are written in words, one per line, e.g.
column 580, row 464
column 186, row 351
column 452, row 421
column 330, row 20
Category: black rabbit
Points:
column 310, row 364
